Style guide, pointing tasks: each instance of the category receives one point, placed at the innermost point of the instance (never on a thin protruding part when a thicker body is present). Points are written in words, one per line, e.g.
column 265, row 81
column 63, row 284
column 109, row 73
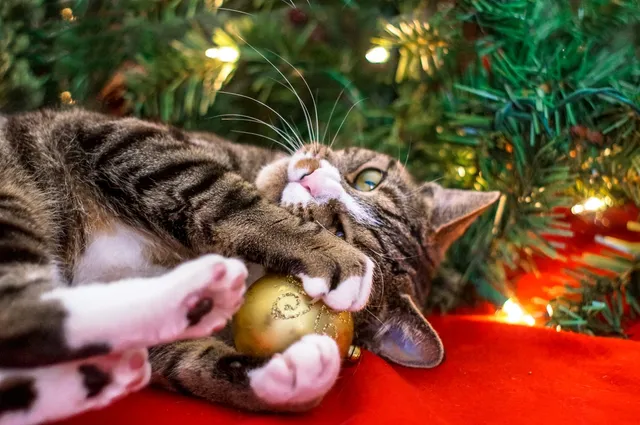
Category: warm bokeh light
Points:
column 377, row 54
column 512, row 312
column 590, row 205
column 223, row 54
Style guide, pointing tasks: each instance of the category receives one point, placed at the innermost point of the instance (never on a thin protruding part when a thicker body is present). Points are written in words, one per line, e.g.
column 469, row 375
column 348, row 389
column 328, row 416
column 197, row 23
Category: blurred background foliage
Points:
column 537, row 99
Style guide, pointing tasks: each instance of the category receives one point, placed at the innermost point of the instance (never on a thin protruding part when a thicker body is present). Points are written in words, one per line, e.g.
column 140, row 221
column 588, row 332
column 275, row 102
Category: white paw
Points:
column 191, row 301
column 67, row 389
column 130, row 371
column 304, row 373
column 201, row 296
column 351, row 294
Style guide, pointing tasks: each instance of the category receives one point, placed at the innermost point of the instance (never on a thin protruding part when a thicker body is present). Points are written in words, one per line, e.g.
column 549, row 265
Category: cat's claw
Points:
column 351, row 294
column 303, row 374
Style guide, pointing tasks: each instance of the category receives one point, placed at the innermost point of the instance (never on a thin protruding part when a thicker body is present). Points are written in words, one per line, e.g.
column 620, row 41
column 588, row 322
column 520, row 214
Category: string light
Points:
column 377, row 54
column 512, row 312
column 66, row 98
column 226, row 54
column 590, row 205
column 67, row 14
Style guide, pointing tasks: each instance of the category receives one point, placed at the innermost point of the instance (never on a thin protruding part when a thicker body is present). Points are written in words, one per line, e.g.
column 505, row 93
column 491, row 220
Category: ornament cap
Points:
column 354, row 354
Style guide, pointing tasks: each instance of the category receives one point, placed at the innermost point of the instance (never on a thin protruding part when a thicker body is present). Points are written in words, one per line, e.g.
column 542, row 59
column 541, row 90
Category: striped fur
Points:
column 68, row 176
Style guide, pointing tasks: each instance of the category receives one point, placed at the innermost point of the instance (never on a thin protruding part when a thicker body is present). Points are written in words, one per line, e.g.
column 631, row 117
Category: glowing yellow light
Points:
column 461, row 171
column 577, row 209
column 594, row 204
column 223, row 54
column 513, row 313
column 377, row 54
column 549, row 310
column 228, row 54
column 212, row 53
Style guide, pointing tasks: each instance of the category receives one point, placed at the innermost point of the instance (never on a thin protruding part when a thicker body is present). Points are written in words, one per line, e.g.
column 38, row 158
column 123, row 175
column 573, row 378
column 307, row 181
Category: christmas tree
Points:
column 537, row 99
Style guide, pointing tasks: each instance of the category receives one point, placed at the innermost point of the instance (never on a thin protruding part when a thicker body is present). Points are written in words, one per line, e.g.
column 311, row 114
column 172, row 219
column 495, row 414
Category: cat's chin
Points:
column 295, row 194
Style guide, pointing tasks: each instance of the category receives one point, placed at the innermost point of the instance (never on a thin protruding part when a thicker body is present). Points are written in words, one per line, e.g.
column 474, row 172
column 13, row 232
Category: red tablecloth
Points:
column 494, row 373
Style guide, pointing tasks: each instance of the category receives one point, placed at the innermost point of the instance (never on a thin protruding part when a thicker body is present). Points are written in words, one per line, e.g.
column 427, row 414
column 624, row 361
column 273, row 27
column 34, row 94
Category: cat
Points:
column 124, row 246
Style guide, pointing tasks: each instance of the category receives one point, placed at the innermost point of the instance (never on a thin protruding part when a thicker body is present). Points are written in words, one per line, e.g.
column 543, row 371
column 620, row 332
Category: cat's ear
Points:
column 452, row 211
column 408, row 339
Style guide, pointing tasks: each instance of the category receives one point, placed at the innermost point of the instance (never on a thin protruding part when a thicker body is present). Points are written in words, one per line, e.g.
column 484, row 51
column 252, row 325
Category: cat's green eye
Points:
column 368, row 179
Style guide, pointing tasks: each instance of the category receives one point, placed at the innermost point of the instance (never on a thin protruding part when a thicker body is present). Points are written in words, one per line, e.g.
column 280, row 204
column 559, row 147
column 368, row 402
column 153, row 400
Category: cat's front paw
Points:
column 300, row 376
column 349, row 285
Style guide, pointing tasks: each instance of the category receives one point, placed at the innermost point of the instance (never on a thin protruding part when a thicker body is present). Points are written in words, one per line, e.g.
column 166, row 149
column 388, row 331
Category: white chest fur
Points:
column 115, row 253
column 121, row 252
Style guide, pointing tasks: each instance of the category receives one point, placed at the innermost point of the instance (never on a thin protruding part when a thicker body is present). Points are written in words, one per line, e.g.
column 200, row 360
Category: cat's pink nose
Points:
column 313, row 183
column 322, row 183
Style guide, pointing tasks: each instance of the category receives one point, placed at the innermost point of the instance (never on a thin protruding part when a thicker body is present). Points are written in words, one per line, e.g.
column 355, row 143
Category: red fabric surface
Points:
column 494, row 373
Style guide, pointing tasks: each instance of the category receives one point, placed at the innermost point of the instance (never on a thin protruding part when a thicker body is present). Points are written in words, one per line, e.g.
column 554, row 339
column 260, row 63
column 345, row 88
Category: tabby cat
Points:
column 117, row 235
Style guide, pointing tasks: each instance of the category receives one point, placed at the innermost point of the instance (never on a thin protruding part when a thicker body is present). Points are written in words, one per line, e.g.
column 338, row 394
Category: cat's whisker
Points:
column 390, row 257
column 344, row 119
column 419, row 188
column 301, row 144
column 314, row 135
column 374, row 316
column 263, row 136
column 292, row 89
column 226, row 9
column 240, row 117
column 307, row 117
column 326, row 128
column 381, row 280
column 406, row 159
column 315, row 105
column 290, row 86
column 320, row 224
column 268, row 107
column 295, row 144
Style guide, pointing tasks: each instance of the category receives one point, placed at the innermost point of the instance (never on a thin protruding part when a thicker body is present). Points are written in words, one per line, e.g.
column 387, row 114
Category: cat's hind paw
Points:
column 193, row 300
column 212, row 289
column 60, row 391
column 302, row 375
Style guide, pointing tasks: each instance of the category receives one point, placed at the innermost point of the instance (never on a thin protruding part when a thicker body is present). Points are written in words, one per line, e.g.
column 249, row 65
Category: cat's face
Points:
column 372, row 202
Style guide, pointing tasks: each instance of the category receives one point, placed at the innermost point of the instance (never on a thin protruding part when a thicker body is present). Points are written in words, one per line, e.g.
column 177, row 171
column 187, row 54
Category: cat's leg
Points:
column 166, row 184
column 295, row 380
column 33, row 396
column 56, row 324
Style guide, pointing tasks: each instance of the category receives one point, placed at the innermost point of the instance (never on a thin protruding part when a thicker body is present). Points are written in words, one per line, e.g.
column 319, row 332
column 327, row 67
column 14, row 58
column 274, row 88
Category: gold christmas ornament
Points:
column 277, row 312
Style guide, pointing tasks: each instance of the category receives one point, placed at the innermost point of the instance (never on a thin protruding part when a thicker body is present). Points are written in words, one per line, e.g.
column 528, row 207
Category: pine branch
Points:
column 601, row 304
column 20, row 87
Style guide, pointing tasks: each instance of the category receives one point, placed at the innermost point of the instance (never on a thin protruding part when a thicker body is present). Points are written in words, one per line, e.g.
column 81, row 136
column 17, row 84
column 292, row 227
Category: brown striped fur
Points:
column 66, row 175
